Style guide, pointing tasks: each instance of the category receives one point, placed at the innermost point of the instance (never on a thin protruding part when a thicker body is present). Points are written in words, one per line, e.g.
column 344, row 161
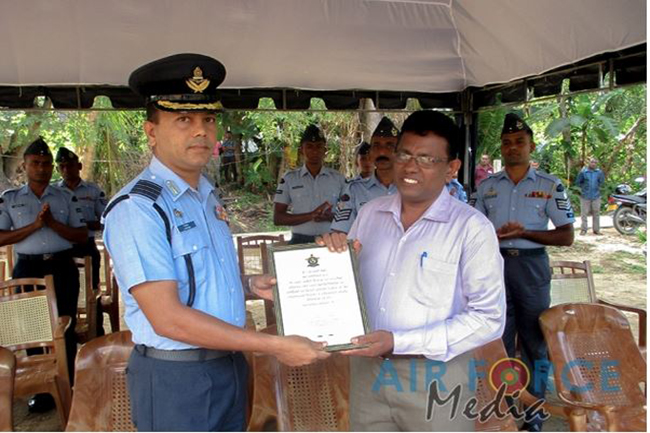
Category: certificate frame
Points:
column 277, row 299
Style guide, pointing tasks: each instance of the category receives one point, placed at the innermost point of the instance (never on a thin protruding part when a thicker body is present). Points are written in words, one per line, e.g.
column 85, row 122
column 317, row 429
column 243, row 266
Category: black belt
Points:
column 49, row 256
column 522, row 252
column 181, row 355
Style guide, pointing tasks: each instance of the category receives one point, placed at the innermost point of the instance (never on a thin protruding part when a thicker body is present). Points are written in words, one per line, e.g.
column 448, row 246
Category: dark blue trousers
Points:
column 188, row 396
column 528, row 294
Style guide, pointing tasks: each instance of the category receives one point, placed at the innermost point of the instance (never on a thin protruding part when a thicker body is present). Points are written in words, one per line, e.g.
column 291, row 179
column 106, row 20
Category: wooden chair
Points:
column 101, row 399
column 7, row 375
column 253, row 260
column 592, row 346
column 86, row 327
column 574, row 282
column 6, row 262
column 110, row 292
column 30, row 319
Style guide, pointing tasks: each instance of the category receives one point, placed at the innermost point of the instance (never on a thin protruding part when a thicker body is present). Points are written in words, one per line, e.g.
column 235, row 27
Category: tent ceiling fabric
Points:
column 396, row 48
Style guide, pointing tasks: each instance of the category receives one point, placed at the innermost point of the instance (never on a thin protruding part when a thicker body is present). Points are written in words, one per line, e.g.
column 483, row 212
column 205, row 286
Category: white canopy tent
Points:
column 73, row 50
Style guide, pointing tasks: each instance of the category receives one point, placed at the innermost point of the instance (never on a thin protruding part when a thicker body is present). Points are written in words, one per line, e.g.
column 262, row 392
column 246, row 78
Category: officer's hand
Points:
column 510, row 230
column 325, row 215
column 296, row 351
column 262, row 286
column 337, row 242
column 379, row 343
column 317, row 213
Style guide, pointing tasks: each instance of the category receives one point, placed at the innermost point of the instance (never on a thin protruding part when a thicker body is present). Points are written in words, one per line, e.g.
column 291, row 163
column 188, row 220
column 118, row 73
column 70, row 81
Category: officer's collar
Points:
column 174, row 184
column 304, row 171
column 438, row 211
column 62, row 184
column 25, row 190
column 530, row 174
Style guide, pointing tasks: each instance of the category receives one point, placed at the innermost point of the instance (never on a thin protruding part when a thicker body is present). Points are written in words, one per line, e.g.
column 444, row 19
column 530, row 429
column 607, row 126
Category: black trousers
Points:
column 66, row 287
column 528, row 294
column 90, row 249
column 297, row 239
column 188, row 396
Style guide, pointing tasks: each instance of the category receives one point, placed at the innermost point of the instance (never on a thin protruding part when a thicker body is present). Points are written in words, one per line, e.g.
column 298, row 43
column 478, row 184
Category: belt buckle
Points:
column 513, row 253
column 48, row 256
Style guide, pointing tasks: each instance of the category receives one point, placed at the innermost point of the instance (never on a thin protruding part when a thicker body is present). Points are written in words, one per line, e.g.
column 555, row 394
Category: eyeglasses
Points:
column 421, row 160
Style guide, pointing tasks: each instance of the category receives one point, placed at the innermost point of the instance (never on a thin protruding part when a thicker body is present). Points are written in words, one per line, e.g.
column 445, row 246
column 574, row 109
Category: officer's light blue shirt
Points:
column 135, row 236
column 91, row 199
column 356, row 194
column 537, row 198
column 590, row 182
column 20, row 207
column 304, row 193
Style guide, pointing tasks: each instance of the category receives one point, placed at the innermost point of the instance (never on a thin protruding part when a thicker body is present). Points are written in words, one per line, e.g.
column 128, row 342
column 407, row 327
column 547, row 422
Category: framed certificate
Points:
column 318, row 294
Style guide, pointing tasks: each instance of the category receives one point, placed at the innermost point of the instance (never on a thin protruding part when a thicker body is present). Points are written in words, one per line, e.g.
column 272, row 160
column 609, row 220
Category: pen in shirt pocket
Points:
column 422, row 257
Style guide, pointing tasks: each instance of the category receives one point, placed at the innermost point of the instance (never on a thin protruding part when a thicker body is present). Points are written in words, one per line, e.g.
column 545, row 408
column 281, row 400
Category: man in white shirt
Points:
column 433, row 285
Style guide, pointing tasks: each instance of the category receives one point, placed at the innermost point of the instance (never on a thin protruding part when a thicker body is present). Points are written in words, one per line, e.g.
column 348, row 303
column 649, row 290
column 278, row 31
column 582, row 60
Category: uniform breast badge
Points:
column 221, row 213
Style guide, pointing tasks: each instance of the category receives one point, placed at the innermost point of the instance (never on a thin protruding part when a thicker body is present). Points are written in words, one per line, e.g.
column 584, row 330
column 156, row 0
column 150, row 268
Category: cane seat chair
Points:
column 7, row 375
column 574, row 282
column 309, row 398
column 6, row 262
column 101, row 399
column 86, row 327
column 29, row 319
column 110, row 292
column 253, row 260
column 598, row 368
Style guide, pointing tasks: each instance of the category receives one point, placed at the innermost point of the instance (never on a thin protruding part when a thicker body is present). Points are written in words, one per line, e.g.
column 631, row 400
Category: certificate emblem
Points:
column 312, row 261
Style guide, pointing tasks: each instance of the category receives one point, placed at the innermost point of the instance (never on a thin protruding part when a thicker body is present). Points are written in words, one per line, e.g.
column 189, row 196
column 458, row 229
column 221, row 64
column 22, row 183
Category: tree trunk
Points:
column 626, row 141
column 368, row 120
column 87, row 152
column 566, row 137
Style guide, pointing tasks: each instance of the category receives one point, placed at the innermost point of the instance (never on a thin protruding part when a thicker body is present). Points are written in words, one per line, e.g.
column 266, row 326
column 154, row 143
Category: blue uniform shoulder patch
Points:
column 147, row 189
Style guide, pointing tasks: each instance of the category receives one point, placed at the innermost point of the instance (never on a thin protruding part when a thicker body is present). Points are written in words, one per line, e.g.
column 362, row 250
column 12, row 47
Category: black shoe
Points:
column 535, row 426
column 40, row 403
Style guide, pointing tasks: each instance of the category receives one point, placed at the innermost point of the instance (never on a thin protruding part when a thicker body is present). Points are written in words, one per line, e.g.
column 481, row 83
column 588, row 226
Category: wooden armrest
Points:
column 642, row 318
column 62, row 326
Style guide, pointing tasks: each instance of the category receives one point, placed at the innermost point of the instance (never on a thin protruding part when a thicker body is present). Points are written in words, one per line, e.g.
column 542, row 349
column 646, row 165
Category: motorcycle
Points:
column 630, row 209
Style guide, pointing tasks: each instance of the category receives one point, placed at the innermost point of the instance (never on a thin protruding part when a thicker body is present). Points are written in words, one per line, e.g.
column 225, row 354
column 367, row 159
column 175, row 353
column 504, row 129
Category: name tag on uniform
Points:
column 187, row 226
column 297, row 187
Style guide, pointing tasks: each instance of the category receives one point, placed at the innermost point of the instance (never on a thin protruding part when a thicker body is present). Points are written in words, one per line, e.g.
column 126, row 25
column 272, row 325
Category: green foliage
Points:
column 594, row 125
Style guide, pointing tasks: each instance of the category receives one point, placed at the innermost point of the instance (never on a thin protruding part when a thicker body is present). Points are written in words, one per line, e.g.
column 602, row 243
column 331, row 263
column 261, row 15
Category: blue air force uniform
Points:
column 45, row 252
column 159, row 228
column 304, row 193
column 154, row 248
column 537, row 198
column 357, row 193
column 92, row 201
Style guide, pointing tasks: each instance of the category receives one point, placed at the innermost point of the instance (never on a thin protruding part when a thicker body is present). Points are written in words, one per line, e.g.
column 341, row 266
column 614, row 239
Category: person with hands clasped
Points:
column 519, row 201
column 43, row 222
column 311, row 191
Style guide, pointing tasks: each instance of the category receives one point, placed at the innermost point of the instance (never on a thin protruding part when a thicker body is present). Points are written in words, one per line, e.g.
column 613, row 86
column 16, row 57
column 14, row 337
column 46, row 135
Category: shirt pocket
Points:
column 534, row 212
column 188, row 246
column 435, row 283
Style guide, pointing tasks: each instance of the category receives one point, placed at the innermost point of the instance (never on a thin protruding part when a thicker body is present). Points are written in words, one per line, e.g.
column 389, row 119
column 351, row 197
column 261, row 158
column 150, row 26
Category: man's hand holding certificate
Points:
column 318, row 295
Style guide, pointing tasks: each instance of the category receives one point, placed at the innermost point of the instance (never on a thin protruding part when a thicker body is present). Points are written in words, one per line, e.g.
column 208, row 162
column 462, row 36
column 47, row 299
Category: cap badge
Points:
column 520, row 125
column 197, row 82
